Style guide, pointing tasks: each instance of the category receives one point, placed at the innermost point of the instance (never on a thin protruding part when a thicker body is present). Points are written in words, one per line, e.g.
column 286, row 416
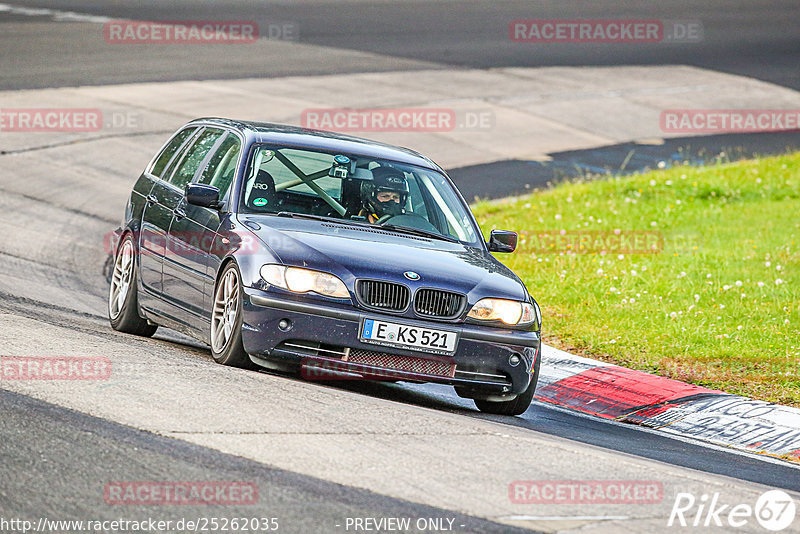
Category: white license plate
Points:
column 408, row 337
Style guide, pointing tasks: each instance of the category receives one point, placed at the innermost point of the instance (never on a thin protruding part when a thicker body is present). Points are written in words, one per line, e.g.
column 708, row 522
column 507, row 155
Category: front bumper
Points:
column 324, row 335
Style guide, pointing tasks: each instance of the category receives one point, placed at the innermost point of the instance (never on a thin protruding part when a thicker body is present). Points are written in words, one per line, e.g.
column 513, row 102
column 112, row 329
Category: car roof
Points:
column 283, row 134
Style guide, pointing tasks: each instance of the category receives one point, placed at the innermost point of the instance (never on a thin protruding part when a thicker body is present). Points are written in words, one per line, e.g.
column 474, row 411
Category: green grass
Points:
column 716, row 306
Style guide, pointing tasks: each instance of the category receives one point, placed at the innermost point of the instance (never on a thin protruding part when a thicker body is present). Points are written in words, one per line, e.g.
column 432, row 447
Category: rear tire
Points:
column 226, row 321
column 517, row 406
column 123, row 294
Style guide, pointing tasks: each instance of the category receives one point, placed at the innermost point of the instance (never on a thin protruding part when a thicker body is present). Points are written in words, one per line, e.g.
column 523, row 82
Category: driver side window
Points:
column 221, row 168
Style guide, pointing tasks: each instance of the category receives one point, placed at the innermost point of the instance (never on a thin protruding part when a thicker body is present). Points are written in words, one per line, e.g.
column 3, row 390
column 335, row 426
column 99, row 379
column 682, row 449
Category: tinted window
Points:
column 169, row 151
column 221, row 168
column 305, row 181
column 194, row 157
column 308, row 163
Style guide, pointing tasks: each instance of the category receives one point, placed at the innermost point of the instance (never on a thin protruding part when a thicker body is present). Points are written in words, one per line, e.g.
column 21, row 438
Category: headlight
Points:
column 304, row 281
column 508, row 311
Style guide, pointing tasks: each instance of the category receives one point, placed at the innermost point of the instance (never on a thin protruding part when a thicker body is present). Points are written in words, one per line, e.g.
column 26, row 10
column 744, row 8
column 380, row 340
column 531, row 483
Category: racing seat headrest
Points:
column 263, row 190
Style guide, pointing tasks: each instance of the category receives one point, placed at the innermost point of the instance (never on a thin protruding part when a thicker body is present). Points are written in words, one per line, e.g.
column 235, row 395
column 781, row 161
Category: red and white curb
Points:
column 614, row 392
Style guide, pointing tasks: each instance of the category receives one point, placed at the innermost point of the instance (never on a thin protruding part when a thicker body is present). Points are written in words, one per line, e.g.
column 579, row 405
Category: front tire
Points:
column 517, row 406
column 226, row 321
column 123, row 294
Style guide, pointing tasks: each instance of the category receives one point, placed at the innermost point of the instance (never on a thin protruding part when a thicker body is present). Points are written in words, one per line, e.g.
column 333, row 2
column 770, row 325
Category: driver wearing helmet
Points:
column 385, row 195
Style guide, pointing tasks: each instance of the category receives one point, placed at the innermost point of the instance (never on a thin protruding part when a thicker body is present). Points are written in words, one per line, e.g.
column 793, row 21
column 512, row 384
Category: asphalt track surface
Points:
column 757, row 39
column 54, row 459
column 85, row 450
column 51, row 286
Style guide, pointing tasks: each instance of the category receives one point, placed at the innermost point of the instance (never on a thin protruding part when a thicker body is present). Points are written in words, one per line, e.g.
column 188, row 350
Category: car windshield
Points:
column 356, row 189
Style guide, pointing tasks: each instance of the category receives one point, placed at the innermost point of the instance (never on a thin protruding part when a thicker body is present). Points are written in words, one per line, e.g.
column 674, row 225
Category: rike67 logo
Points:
column 774, row 511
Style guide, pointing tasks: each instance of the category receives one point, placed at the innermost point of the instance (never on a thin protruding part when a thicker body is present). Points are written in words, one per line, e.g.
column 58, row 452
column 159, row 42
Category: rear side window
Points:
column 195, row 155
column 221, row 168
column 169, row 151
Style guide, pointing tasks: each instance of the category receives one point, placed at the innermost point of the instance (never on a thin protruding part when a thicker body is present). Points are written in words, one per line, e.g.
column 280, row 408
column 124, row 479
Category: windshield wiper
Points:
column 394, row 227
column 417, row 231
column 322, row 218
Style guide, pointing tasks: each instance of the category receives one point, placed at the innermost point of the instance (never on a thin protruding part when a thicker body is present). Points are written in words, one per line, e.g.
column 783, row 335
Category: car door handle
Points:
column 152, row 199
column 179, row 213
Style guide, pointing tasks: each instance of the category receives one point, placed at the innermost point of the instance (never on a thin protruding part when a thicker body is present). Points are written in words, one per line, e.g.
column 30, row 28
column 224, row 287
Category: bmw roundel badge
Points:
column 411, row 275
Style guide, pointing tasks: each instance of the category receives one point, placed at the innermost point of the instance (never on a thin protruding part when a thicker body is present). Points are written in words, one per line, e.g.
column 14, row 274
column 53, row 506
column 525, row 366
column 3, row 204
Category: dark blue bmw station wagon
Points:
column 338, row 257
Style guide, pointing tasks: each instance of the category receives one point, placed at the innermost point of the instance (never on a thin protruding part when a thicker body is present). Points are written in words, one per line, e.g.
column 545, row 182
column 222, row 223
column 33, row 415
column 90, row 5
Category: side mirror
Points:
column 206, row 196
column 502, row 241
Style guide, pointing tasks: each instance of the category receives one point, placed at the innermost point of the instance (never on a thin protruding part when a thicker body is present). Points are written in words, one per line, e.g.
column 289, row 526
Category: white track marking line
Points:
column 55, row 14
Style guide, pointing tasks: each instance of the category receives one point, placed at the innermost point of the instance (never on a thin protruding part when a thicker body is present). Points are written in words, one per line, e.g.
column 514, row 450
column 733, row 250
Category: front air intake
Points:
column 438, row 304
column 384, row 296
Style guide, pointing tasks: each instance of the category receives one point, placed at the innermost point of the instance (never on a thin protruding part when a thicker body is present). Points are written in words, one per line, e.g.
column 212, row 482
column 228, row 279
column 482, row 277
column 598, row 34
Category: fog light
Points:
column 514, row 360
column 285, row 324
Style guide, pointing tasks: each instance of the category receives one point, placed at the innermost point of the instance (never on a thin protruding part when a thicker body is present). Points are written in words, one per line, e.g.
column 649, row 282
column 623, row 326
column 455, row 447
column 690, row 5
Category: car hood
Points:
column 352, row 252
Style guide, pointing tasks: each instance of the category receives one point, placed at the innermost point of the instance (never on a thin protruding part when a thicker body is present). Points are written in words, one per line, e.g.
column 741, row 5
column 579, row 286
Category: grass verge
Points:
column 690, row 273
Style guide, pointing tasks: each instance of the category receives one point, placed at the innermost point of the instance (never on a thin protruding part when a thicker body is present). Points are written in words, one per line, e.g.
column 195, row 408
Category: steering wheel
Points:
column 410, row 220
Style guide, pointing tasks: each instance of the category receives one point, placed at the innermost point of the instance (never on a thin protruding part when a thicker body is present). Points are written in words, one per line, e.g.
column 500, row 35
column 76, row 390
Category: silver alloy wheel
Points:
column 226, row 308
column 121, row 280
